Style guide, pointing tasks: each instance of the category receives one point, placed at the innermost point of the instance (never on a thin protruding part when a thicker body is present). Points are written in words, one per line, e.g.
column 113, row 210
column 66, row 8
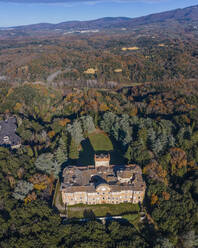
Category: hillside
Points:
column 184, row 16
column 108, row 52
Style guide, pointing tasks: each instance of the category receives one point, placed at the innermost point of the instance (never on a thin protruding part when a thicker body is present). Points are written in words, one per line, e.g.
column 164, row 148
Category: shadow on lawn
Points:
column 86, row 156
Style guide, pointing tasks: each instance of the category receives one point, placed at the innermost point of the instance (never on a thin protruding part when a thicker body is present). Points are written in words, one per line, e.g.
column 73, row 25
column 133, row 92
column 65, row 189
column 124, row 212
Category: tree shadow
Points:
column 89, row 214
column 86, row 156
column 117, row 155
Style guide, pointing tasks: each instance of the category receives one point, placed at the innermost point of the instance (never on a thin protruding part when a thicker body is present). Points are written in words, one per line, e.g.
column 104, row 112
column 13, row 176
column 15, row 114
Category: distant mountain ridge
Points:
column 189, row 14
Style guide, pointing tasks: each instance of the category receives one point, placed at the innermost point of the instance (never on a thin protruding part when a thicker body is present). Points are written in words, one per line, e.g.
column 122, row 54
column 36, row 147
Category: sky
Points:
column 23, row 12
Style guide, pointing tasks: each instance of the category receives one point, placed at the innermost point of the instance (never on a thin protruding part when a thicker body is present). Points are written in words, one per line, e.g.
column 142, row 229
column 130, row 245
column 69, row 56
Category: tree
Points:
column 163, row 243
column 22, row 189
column 88, row 124
column 61, row 152
column 45, row 162
column 108, row 121
column 128, row 154
column 73, row 150
column 76, row 131
column 190, row 239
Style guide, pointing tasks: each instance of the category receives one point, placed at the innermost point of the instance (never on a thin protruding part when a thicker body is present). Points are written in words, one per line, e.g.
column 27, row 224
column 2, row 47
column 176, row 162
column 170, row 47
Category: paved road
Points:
column 53, row 76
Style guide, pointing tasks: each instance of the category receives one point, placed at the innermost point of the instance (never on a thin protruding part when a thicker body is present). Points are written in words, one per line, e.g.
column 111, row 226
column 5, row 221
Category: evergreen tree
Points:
column 88, row 124
column 61, row 153
column 128, row 153
column 108, row 121
column 76, row 132
column 73, row 150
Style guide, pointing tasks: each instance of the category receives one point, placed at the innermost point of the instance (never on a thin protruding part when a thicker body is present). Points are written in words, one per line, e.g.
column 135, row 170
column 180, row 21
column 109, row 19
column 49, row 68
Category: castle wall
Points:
column 102, row 198
column 101, row 163
column 78, row 187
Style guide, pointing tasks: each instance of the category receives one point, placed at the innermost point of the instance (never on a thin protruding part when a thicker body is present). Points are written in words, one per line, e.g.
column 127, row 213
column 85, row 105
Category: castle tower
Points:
column 102, row 160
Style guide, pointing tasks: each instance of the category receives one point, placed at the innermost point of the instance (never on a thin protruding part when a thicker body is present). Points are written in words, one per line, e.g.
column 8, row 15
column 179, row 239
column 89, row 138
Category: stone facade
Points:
column 102, row 160
column 102, row 183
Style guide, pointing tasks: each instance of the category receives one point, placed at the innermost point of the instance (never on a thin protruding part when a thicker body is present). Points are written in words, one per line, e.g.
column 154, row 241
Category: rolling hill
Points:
column 187, row 15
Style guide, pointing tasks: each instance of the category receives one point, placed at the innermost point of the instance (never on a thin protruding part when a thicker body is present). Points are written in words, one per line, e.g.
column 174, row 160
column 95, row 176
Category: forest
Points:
column 129, row 89
column 108, row 59
column 154, row 125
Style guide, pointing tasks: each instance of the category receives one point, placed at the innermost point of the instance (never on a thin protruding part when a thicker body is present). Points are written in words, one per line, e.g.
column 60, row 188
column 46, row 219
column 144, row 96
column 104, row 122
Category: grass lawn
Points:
column 134, row 219
column 56, row 192
column 78, row 211
column 100, row 142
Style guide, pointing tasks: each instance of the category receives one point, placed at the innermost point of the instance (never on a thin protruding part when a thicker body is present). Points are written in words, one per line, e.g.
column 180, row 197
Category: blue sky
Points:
column 20, row 12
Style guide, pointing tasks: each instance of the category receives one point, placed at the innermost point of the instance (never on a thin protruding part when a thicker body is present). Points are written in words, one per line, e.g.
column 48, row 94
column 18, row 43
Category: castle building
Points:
column 102, row 183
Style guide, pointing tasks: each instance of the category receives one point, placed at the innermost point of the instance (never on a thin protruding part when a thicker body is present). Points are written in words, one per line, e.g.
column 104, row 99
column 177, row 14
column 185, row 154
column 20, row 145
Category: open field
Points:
column 82, row 211
column 100, row 142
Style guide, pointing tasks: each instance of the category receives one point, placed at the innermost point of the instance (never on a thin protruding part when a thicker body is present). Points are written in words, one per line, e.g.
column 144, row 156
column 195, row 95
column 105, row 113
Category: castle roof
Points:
column 88, row 179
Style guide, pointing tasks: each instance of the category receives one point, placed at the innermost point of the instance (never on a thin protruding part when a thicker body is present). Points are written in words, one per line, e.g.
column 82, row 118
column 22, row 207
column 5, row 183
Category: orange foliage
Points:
column 10, row 91
column 52, row 96
column 133, row 111
column 30, row 197
column 53, row 109
column 51, row 134
column 192, row 164
column 103, row 107
column 63, row 122
column 162, row 172
column 94, row 105
column 40, row 179
column 156, row 171
column 41, row 186
column 166, row 195
column 11, row 181
column 18, row 106
column 154, row 199
column 144, row 171
column 69, row 96
column 178, row 159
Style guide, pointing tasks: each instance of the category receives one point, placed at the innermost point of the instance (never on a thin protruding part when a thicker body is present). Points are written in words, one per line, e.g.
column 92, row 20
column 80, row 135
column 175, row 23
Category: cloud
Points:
column 74, row 1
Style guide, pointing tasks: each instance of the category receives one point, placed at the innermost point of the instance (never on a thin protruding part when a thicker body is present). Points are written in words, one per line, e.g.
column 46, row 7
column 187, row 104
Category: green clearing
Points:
column 134, row 219
column 78, row 211
column 100, row 142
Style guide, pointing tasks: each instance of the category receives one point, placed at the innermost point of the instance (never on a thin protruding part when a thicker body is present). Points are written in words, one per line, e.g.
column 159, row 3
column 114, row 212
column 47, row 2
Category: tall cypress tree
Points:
column 73, row 151
column 61, row 153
